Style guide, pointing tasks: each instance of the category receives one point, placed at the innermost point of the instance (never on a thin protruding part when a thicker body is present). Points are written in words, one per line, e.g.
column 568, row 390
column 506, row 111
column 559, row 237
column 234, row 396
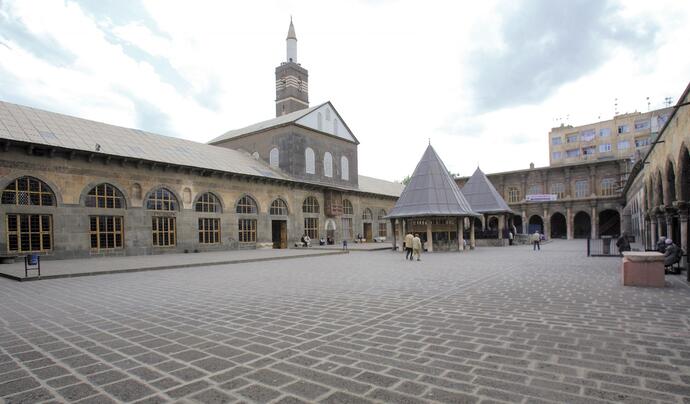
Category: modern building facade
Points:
column 75, row 188
column 625, row 136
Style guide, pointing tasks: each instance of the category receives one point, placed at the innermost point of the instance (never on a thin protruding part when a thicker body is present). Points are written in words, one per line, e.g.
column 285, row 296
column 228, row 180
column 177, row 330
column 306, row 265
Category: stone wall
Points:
column 71, row 180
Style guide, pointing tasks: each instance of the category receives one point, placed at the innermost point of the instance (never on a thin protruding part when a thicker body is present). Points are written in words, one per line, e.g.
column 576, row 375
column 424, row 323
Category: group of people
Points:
column 672, row 253
column 413, row 247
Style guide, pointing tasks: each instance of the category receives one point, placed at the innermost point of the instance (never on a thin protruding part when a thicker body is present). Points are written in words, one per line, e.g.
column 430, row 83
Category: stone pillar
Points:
column 461, row 233
column 661, row 229
column 429, row 241
column 524, row 223
column 395, row 238
column 595, row 222
column 403, row 233
column 472, row 241
column 568, row 223
column 501, row 226
column 547, row 224
column 653, row 231
column 669, row 225
column 683, row 218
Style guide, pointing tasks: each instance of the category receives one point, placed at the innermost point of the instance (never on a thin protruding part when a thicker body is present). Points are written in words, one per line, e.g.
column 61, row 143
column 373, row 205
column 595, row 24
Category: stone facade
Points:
column 658, row 193
column 71, row 176
column 292, row 141
column 588, row 199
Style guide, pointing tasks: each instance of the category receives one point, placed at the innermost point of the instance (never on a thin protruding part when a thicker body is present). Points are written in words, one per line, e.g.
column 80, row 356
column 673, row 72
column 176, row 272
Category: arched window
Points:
column 207, row 202
column 28, row 191
column 608, row 187
column 246, row 205
column 335, row 126
column 344, row 168
column 383, row 226
column 328, row 114
column 381, row 215
column 310, row 205
column 274, row 158
column 105, row 196
column 366, row 214
column 328, row 164
column 319, row 121
column 278, row 208
column 309, row 163
column 347, row 207
column 161, row 199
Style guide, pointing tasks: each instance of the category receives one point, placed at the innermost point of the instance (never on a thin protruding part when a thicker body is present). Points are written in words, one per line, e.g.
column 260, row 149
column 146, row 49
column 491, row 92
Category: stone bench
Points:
column 643, row 269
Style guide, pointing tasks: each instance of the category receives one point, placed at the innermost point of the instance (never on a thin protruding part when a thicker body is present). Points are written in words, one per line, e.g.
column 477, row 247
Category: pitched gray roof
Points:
column 431, row 192
column 281, row 120
column 482, row 195
column 35, row 126
column 380, row 187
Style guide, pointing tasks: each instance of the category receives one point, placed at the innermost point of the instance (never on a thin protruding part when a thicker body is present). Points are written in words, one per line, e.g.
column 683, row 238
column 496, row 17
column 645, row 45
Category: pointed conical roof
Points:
column 291, row 31
column 482, row 195
column 431, row 192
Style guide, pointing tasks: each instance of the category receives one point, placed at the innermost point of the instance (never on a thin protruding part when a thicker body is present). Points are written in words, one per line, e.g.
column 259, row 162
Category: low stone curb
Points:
column 161, row 267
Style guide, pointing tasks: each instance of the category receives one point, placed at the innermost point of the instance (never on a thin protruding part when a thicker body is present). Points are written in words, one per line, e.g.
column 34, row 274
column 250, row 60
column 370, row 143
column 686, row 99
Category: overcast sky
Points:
column 484, row 82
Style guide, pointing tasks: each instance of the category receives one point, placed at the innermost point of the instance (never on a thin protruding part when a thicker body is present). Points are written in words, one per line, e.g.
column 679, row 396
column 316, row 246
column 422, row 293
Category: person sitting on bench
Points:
column 306, row 241
column 673, row 254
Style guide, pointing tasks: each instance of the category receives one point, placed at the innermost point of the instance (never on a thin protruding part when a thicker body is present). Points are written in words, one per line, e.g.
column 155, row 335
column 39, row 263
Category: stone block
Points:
column 643, row 269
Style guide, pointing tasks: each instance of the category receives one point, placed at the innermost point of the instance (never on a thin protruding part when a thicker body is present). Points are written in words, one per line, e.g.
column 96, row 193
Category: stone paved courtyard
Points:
column 493, row 325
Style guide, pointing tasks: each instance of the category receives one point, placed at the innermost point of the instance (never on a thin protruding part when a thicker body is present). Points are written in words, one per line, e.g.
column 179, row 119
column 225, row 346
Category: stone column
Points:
column 501, row 226
column 661, row 229
column 472, row 241
column 669, row 225
column 683, row 218
column 594, row 222
column 429, row 241
column 568, row 223
column 547, row 224
column 395, row 238
column 653, row 231
column 461, row 233
column 524, row 222
column 403, row 233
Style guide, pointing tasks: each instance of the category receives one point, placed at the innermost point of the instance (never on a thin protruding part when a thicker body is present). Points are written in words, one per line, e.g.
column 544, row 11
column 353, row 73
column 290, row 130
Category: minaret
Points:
column 292, row 89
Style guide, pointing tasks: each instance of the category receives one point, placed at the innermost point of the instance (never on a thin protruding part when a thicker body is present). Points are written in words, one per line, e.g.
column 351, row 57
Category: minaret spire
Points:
column 291, row 44
column 292, row 88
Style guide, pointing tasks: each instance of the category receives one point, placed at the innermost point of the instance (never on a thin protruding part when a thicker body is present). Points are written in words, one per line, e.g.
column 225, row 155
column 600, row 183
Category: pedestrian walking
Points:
column 417, row 247
column 510, row 238
column 536, row 241
column 408, row 246
column 623, row 243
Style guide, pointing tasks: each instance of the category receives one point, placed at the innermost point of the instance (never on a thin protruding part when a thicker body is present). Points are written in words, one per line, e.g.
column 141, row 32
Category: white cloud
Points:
column 398, row 72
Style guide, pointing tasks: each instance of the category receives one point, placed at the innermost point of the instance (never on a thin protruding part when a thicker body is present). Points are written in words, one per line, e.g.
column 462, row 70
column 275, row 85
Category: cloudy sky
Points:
column 485, row 81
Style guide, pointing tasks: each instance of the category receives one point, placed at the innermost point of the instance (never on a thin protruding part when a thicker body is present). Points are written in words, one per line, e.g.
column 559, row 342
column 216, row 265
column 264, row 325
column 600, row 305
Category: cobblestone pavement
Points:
column 493, row 325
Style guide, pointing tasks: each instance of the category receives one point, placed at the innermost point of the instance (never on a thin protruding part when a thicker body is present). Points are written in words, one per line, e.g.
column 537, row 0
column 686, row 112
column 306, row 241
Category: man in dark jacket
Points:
column 623, row 243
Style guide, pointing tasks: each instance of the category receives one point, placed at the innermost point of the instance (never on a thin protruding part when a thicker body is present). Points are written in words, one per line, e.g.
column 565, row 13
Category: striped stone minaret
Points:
column 292, row 89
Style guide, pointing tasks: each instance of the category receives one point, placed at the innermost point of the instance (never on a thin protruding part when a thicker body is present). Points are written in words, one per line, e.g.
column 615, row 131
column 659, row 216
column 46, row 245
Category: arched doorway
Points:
column 536, row 224
column 609, row 223
column 671, row 179
column 493, row 223
column 517, row 222
column 478, row 224
column 559, row 228
column 582, row 225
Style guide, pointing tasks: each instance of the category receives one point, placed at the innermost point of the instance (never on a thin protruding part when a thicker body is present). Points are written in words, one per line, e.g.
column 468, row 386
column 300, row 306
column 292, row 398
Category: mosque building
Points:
column 72, row 187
